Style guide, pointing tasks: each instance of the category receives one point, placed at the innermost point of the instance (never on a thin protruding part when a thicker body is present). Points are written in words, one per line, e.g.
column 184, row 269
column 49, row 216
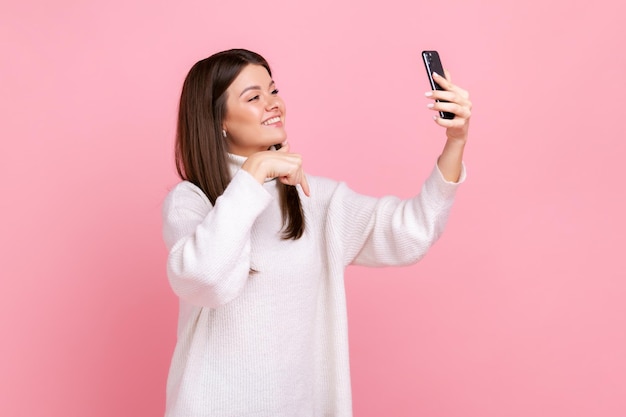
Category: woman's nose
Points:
column 272, row 103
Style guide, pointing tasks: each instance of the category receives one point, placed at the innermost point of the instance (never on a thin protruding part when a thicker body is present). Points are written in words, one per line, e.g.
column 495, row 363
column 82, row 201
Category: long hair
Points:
column 201, row 152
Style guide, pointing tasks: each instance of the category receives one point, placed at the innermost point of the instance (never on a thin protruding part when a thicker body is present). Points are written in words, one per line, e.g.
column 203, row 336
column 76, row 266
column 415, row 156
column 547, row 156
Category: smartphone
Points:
column 433, row 64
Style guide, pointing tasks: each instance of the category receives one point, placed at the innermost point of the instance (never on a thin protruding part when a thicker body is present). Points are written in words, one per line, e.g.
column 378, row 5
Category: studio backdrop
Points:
column 517, row 311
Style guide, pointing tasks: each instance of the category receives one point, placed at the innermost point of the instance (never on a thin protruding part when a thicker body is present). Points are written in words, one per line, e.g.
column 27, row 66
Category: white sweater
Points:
column 275, row 343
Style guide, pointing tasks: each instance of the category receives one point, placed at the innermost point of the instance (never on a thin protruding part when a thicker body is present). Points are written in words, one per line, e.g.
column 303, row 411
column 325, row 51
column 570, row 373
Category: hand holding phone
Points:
column 432, row 62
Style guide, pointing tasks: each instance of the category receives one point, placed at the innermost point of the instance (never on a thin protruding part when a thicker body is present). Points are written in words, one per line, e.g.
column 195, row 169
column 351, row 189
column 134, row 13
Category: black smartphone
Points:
column 433, row 64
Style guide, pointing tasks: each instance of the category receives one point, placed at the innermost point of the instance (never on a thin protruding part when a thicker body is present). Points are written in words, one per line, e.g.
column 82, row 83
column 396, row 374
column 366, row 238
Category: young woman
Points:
column 257, row 250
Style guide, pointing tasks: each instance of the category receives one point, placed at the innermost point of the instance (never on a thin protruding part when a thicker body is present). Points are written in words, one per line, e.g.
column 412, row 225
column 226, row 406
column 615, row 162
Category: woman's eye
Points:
column 254, row 98
column 275, row 91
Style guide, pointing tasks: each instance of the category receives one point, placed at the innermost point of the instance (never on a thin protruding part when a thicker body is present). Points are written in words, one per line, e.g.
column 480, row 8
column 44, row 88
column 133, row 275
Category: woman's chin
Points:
column 278, row 138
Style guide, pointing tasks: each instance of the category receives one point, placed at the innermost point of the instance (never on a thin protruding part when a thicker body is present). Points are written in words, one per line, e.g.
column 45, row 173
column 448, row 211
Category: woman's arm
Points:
column 209, row 246
column 388, row 231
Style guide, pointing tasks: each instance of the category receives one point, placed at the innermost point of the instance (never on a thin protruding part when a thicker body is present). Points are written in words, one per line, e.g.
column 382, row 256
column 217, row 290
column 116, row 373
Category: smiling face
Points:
column 255, row 114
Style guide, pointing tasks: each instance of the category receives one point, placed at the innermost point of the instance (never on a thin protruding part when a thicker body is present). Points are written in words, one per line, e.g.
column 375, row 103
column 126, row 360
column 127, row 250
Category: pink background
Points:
column 520, row 309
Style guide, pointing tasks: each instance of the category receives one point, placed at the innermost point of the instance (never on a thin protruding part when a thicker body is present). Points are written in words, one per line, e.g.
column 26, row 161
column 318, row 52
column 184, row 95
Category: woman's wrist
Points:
column 450, row 161
column 254, row 167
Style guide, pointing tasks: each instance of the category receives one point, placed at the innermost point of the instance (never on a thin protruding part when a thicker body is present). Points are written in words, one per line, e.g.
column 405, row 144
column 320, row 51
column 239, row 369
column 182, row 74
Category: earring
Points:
column 224, row 133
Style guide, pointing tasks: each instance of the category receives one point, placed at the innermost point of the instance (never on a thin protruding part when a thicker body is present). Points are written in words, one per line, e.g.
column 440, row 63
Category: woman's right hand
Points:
column 280, row 164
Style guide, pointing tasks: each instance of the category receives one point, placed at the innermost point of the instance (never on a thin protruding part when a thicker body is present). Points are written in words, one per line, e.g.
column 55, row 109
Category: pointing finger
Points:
column 305, row 186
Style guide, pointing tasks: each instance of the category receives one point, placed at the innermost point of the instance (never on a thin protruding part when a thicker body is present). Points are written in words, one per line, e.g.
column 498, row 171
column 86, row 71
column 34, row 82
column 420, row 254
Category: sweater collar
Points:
column 235, row 162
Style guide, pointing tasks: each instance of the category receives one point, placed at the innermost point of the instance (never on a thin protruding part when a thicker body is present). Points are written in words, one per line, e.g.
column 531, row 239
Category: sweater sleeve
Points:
column 390, row 231
column 209, row 246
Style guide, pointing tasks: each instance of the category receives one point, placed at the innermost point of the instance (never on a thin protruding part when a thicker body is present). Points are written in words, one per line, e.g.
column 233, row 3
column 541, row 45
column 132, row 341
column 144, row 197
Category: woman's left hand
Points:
column 458, row 103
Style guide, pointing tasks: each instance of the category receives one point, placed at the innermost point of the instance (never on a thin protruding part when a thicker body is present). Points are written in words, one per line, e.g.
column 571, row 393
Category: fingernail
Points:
column 435, row 118
column 430, row 105
column 428, row 93
column 434, row 73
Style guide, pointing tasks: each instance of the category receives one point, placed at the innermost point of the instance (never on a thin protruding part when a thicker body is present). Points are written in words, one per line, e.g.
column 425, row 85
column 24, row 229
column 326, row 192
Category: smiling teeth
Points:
column 271, row 121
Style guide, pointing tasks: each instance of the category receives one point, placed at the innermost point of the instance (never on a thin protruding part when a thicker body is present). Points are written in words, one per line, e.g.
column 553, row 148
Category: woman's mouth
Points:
column 271, row 121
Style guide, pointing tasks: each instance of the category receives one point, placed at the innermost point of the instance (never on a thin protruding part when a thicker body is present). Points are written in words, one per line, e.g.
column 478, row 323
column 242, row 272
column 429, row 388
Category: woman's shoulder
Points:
column 184, row 188
column 325, row 191
column 322, row 186
column 184, row 193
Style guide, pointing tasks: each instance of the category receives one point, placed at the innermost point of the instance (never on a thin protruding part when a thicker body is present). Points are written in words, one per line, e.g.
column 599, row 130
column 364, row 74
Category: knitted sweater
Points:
column 275, row 343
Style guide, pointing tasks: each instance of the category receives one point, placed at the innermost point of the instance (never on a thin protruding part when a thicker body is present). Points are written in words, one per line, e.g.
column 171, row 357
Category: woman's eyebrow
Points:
column 254, row 87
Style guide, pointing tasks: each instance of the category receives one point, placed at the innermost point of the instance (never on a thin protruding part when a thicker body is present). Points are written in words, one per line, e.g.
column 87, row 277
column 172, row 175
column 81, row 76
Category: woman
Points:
column 257, row 250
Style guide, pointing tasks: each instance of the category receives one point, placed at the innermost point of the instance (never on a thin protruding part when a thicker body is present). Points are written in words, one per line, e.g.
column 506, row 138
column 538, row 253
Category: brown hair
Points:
column 201, row 151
